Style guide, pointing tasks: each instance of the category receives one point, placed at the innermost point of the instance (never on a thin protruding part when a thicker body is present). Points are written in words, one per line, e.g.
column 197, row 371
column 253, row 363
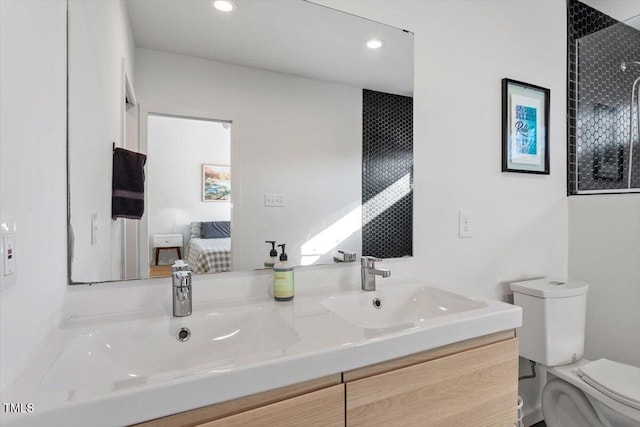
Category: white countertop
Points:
column 129, row 368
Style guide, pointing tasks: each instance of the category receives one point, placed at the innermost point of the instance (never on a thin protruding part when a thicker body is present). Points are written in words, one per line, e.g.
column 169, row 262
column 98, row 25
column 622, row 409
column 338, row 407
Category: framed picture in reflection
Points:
column 216, row 183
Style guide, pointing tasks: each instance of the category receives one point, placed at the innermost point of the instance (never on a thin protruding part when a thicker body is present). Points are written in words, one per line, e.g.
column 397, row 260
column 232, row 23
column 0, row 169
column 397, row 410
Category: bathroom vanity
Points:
column 328, row 356
column 473, row 382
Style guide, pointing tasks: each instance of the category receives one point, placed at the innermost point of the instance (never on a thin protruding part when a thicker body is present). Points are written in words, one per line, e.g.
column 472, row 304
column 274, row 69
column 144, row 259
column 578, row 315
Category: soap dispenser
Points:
column 283, row 278
column 273, row 255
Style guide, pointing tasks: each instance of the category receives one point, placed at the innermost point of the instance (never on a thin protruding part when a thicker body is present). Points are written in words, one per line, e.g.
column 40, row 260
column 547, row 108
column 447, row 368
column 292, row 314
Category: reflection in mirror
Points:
column 200, row 151
column 252, row 123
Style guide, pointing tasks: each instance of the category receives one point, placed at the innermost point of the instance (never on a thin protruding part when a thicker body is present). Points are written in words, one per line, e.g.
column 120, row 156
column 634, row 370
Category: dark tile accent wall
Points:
column 598, row 100
column 387, row 175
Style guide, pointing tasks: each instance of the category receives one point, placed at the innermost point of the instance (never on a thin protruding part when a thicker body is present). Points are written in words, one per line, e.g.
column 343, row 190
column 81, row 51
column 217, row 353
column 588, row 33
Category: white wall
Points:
column 462, row 51
column 295, row 136
column 99, row 39
column 177, row 149
column 32, row 174
column 604, row 251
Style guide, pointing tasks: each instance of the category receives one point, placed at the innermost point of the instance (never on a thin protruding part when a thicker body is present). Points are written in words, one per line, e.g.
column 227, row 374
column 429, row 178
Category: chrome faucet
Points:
column 369, row 272
column 181, row 290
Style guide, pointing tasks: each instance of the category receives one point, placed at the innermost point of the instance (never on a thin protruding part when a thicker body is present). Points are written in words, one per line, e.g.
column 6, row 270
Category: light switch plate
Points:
column 272, row 200
column 464, row 223
column 94, row 228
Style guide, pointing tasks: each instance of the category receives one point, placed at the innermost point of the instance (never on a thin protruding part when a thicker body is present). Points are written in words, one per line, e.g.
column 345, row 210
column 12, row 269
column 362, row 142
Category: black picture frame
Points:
column 525, row 127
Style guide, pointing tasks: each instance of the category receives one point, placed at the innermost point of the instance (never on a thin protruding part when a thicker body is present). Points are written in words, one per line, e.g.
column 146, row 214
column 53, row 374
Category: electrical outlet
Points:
column 464, row 223
column 8, row 248
column 274, row 200
column 9, row 242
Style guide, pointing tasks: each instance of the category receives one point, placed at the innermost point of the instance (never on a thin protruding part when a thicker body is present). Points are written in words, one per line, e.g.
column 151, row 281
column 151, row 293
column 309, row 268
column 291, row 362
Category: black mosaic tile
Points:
column 387, row 175
column 598, row 100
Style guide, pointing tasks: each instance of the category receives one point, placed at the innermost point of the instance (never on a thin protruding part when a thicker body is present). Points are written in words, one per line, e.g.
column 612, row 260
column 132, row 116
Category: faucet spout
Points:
column 380, row 272
column 369, row 273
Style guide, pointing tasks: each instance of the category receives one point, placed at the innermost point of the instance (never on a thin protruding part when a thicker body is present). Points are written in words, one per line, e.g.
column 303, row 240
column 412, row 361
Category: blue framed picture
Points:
column 525, row 127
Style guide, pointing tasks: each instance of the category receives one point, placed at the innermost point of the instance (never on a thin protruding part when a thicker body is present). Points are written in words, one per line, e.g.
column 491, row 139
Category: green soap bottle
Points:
column 283, row 278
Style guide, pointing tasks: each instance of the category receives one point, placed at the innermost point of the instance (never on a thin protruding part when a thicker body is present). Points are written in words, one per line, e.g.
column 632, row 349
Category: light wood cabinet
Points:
column 470, row 383
column 476, row 387
column 319, row 408
column 217, row 411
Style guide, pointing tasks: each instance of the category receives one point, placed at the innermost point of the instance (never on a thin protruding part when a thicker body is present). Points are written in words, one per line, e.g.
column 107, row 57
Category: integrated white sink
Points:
column 132, row 354
column 401, row 305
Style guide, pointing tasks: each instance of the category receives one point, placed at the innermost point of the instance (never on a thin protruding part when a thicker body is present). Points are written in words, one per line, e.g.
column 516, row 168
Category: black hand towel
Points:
column 127, row 200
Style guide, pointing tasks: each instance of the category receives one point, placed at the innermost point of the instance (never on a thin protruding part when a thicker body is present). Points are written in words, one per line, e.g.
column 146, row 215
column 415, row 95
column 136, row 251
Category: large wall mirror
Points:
column 250, row 123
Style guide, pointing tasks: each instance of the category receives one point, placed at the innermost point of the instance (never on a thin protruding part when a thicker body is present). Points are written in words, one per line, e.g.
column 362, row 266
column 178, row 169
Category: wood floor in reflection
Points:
column 159, row 270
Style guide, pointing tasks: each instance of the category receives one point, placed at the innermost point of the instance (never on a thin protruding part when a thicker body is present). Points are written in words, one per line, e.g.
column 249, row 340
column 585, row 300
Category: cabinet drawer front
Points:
column 477, row 387
column 319, row 408
column 167, row 240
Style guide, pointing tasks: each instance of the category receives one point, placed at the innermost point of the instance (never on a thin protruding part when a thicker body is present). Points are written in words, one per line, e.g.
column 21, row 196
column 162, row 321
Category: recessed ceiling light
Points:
column 224, row 5
column 374, row 44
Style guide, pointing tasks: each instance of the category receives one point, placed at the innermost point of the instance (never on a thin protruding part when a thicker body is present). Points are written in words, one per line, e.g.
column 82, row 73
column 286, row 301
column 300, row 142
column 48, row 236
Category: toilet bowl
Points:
column 578, row 392
column 566, row 405
column 568, row 401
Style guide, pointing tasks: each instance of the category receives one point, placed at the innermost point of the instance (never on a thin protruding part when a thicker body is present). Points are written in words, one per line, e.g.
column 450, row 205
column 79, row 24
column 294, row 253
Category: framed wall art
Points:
column 525, row 127
column 216, row 183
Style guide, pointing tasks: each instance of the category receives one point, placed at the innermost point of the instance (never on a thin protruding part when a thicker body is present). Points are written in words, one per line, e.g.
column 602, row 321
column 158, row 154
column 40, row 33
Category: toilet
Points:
column 578, row 392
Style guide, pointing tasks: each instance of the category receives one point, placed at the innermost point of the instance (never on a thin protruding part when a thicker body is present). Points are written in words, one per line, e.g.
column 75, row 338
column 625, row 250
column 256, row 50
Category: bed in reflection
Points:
column 209, row 247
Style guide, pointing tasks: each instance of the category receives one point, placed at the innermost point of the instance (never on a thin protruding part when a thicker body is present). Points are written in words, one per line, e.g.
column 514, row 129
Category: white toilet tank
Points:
column 553, row 320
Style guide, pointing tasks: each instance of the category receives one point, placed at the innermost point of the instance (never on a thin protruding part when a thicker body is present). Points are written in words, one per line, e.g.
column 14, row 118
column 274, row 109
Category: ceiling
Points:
column 289, row 36
column 621, row 10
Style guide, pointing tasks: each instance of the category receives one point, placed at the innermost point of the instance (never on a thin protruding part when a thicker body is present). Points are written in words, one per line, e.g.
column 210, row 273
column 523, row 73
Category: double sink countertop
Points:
column 130, row 368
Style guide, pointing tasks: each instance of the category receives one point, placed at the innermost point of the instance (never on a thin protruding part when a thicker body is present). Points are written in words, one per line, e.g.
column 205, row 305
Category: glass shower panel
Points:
column 608, row 64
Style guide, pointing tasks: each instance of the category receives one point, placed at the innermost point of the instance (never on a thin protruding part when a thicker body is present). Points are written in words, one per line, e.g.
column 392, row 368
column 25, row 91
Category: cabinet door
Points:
column 477, row 387
column 320, row 408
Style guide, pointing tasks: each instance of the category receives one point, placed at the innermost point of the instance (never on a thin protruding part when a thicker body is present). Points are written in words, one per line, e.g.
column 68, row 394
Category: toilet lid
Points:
column 618, row 381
